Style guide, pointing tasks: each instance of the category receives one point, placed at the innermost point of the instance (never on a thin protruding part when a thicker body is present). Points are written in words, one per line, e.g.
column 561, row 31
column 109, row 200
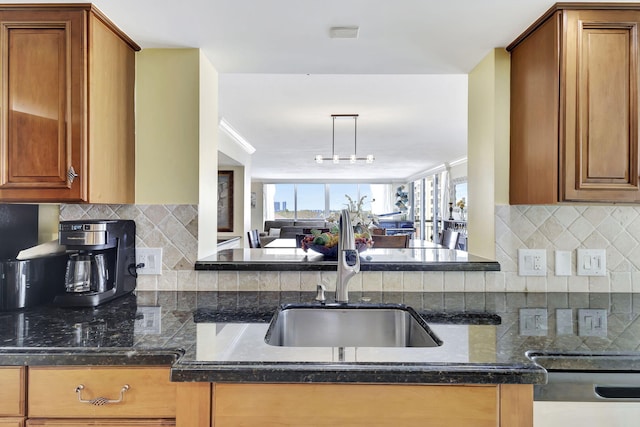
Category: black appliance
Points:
column 100, row 261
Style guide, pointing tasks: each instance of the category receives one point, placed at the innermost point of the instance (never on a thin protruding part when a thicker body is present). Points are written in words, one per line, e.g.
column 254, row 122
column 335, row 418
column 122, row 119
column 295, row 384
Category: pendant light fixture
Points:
column 353, row 158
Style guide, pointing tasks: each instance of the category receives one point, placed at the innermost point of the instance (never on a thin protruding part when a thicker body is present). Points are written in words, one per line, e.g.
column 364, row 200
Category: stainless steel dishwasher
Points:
column 588, row 390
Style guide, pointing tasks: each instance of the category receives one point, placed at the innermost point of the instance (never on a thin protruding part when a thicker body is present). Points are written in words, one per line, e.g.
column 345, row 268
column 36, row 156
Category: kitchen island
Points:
column 205, row 338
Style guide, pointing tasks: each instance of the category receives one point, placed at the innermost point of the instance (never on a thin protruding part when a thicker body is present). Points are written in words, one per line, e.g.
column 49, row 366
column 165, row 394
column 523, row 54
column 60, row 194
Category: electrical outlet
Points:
column 532, row 262
column 533, row 322
column 592, row 262
column 151, row 258
column 592, row 322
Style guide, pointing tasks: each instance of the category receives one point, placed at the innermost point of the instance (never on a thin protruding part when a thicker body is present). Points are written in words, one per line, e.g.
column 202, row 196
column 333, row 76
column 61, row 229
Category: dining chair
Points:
column 394, row 241
column 449, row 238
column 254, row 238
column 379, row 231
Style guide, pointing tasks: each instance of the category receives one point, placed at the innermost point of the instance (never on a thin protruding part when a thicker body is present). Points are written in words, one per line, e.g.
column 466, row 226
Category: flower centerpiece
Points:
column 327, row 243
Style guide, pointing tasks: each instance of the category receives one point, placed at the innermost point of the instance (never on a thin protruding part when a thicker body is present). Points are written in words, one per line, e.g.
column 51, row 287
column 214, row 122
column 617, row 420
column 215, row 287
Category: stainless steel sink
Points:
column 349, row 325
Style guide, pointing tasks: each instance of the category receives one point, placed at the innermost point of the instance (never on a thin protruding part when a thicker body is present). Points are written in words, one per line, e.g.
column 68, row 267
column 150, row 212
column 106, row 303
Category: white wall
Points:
column 208, row 158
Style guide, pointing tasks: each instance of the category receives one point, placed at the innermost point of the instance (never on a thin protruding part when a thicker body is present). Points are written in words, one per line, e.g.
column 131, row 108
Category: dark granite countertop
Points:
column 295, row 259
column 219, row 336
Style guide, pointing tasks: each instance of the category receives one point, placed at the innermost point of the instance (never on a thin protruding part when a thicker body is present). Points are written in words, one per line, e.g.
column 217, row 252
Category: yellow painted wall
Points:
column 167, row 126
column 488, row 148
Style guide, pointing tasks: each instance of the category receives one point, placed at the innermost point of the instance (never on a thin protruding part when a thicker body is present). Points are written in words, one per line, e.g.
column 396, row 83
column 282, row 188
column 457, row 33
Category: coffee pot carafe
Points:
column 86, row 272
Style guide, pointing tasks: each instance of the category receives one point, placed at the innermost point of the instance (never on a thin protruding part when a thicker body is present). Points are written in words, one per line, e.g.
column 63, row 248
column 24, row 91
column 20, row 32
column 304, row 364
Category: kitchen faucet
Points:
column 348, row 258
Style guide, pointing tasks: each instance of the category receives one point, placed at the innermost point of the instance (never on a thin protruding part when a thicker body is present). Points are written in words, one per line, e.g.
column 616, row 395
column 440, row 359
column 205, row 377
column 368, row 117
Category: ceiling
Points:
column 282, row 76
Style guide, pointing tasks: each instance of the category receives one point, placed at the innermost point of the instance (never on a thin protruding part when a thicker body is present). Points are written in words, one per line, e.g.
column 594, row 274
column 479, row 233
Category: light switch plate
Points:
column 532, row 262
column 591, row 262
column 564, row 321
column 563, row 263
column 592, row 322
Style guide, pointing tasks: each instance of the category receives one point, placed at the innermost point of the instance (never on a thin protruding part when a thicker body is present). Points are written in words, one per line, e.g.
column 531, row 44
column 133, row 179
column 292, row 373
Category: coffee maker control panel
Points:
column 74, row 226
column 82, row 234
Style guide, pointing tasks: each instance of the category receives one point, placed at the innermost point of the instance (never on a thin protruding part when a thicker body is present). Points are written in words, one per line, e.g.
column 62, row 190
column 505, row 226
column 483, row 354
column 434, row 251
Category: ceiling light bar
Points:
column 353, row 158
column 350, row 32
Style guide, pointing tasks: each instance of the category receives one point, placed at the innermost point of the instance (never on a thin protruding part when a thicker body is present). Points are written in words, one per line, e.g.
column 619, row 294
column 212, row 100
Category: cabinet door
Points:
column 12, row 391
column 535, row 69
column 600, row 71
column 41, row 124
column 353, row 405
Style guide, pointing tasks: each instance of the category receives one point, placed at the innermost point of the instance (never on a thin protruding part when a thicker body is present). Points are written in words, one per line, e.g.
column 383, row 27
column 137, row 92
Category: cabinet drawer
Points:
column 296, row 405
column 98, row 423
column 12, row 391
column 52, row 392
column 11, row 422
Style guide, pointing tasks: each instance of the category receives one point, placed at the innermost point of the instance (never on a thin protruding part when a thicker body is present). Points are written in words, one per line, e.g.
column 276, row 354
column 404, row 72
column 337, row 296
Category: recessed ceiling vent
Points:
column 344, row 32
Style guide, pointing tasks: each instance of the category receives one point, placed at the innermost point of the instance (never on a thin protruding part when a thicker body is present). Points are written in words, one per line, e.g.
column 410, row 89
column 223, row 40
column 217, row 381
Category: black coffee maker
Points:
column 101, row 261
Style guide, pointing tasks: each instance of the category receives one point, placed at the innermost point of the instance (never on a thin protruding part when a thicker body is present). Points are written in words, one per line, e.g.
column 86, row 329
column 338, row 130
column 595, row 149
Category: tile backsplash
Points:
column 613, row 228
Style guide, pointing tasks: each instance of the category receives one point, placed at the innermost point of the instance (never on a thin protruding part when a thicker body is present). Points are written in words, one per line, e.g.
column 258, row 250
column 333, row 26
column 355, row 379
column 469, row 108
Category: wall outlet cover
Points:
column 532, row 262
column 151, row 258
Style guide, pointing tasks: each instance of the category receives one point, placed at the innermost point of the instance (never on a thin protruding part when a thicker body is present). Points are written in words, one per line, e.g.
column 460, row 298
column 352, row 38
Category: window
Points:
column 283, row 201
column 337, row 197
column 314, row 201
column 309, row 201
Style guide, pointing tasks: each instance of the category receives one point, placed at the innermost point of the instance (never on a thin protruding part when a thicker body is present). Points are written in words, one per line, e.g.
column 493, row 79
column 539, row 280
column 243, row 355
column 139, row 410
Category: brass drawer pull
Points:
column 100, row 401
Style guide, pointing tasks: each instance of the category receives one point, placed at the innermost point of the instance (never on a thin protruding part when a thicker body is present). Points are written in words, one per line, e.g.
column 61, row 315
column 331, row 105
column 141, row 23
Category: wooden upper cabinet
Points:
column 66, row 107
column 574, row 106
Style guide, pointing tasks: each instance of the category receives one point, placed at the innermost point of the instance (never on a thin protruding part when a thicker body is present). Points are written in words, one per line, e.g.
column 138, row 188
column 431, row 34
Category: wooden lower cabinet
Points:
column 349, row 405
column 99, row 423
column 12, row 396
column 100, row 397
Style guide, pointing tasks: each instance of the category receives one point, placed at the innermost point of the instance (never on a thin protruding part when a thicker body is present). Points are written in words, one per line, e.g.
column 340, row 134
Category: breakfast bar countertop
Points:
column 415, row 258
column 219, row 336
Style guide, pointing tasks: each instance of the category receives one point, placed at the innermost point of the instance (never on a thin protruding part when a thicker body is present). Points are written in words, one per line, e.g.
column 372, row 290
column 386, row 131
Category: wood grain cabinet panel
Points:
column 67, row 104
column 574, row 106
column 12, row 391
column 11, row 422
column 99, row 423
column 298, row 405
column 52, row 392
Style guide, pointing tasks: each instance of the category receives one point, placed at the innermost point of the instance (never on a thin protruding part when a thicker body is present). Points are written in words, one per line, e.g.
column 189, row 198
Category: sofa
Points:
column 289, row 228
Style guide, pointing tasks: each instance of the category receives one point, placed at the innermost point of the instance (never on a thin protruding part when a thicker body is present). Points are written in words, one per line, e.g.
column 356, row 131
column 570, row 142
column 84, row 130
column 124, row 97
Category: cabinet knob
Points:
column 100, row 401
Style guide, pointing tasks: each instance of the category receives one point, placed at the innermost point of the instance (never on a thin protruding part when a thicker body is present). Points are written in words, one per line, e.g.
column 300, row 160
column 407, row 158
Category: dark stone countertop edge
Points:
column 331, row 266
column 87, row 357
column 359, row 373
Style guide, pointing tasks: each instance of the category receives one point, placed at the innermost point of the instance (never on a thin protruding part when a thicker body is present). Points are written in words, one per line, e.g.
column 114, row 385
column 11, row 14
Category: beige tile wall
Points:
column 614, row 228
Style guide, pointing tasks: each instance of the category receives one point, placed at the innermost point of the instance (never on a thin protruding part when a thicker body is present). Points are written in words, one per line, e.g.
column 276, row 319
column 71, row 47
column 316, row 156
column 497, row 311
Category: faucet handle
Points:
column 320, row 296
